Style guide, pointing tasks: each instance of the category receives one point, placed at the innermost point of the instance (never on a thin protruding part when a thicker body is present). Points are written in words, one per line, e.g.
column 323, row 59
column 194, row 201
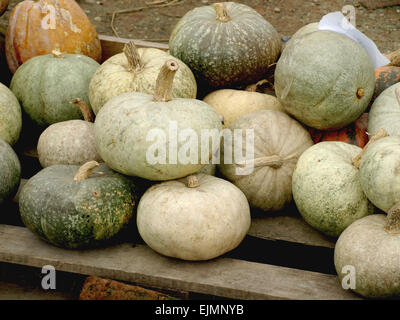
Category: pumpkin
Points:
column 63, row 77
column 324, row 79
column 76, row 207
column 370, row 247
column 209, row 169
column 327, row 188
column 225, row 44
column 355, row 133
column 265, row 177
column 137, row 70
column 39, row 27
column 212, row 218
column 385, row 77
column 10, row 116
column 308, row 28
column 137, row 134
column 10, row 172
column 233, row 104
column 69, row 142
column 3, row 6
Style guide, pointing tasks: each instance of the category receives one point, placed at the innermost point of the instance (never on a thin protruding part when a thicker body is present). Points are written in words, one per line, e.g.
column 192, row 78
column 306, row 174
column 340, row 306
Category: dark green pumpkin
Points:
column 76, row 214
column 10, row 172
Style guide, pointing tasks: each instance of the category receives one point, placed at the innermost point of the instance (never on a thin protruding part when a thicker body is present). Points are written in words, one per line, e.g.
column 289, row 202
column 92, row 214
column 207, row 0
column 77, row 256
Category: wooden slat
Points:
column 139, row 264
column 10, row 291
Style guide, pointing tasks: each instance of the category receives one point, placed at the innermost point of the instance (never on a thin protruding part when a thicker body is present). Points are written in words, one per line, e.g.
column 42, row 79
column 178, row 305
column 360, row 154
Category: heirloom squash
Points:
column 324, row 79
column 10, row 116
column 76, row 207
column 138, row 134
column 225, row 44
column 308, row 28
column 39, row 27
column 265, row 177
column 385, row 77
column 10, row 172
column 63, row 77
column 212, row 218
column 137, row 70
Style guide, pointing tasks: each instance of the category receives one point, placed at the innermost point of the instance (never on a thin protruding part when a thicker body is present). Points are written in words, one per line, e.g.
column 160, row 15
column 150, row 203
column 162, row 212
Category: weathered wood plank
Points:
column 10, row 291
column 139, row 264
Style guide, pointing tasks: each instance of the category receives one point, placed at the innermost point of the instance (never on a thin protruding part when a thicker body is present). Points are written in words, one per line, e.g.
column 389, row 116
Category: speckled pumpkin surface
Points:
column 327, row 188
column 10, row 116
column 10, row 172
column 45, row 85
column 324, row 79
column 223, row 53
column 76, row 214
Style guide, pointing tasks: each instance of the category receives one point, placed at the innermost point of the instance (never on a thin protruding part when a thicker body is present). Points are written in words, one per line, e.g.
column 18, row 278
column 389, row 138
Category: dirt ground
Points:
column 287, row 16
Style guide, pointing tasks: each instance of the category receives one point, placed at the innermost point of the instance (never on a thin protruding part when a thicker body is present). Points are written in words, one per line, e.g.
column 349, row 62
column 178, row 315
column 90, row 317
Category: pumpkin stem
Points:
column 57, row 53
column 192, row 182
column 132, row 54
column 165, row 80
column 254, row 87
column 84, row 108
column 271, row 161
column 393, row 220
column 360, row 93
column 357, row 159
column 222, row 12
column 86, row 170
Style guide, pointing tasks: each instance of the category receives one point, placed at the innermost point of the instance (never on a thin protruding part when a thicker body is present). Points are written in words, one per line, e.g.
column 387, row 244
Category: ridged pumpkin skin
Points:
column 225, row 54
column 114, row 77
column 10, row 116
column 373, row 253
column 268, row 188
column 327, row 188
column 45, row 86
column 10, row 172
column 324, row 79
column 210, row 219
column 385, row 113
column 379, row 172
column 31, row 34
column 76, row 214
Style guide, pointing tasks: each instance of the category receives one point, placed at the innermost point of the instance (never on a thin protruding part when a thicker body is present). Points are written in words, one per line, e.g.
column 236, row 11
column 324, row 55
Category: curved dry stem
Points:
column 165, row 80
column 84, row 108
column 85, row 171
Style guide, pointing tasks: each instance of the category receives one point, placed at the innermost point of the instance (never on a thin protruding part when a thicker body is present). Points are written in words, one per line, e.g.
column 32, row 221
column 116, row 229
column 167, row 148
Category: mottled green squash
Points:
column 10, row 172
column 77, row 207
column 45, row 85
column 225, row 44
column 308, row 28
column 10, row 116
column 324, row 79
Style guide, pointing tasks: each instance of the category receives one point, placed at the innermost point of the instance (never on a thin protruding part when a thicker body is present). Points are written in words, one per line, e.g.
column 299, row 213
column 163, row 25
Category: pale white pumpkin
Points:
column 196, row 218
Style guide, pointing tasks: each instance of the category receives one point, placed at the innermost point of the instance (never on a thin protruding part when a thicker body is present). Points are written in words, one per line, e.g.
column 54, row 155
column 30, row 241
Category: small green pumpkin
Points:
column 10, row 116
column 10, row 172
column 77, row 207
column 45, row 85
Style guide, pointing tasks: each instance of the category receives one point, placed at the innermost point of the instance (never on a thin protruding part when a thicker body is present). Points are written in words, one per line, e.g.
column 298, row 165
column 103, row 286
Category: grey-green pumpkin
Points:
column 324, row 79
column 45, row 85
column 77, row 207
column 10, row 171
column 308, row 28
column 10, row 116
column 225, row 44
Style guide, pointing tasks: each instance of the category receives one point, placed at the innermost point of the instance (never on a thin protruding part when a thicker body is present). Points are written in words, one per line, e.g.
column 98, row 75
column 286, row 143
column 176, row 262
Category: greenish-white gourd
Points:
column 10, row 116
column 10, row 172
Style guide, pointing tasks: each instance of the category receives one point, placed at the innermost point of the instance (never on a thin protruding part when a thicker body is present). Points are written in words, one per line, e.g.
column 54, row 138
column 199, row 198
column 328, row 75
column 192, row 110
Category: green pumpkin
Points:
column 77, row 207
column 10, row 172
column 46, row 84
column 225, row 44
column 324, row 79
column 308, row 28
column 10, row 116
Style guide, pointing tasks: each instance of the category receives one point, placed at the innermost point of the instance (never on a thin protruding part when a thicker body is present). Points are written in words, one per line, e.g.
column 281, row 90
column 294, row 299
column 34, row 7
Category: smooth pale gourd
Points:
column 265, row 177
column 324, row 79
column 212, row 217
column 10, row 172
column 10, row 116
column 136, row 70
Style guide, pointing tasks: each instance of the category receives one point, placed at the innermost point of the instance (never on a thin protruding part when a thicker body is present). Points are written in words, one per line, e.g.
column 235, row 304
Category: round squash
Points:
column 371, row 246
column 327, row 188
column 233, row 104
column 308, row 28
column 212, row 218
column 324, row 79
column 10, row 172
column 76, row 207
column 225, row 44
column 137, row 70
column 137, row 134
column 3, row 6
column 266, row 178
column 69, row 142
column 63, row 77
column 10, row 116
column 385, row 77
column 38, row 27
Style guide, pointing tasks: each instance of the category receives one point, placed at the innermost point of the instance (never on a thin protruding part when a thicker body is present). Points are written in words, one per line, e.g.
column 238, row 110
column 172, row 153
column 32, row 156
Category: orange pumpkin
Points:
column 384, row 78
column 355, row 133
column 39, row 27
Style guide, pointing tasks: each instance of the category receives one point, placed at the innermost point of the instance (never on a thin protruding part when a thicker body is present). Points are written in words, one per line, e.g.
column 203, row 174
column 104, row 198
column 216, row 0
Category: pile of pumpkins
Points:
column 310, row 141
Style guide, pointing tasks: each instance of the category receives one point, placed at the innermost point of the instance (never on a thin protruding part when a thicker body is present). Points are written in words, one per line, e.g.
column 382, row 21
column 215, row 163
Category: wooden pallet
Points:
column 233, row 276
